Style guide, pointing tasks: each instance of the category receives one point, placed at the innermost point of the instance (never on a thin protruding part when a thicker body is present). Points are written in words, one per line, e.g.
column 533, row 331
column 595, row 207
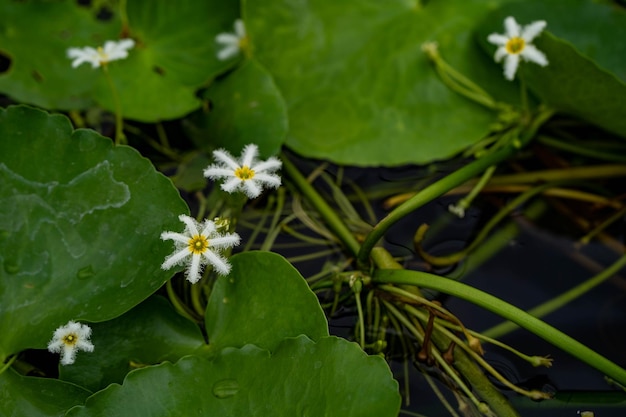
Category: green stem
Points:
column 506, row 310
column 120, row 139
column 327, row 212
column 446, row 184
column 554, row 304
column 583, row 148
column 8, row 364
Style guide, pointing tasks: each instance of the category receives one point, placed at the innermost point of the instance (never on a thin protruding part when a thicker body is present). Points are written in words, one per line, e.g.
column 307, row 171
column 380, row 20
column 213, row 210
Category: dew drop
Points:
column 225, row 388
column 86, row 272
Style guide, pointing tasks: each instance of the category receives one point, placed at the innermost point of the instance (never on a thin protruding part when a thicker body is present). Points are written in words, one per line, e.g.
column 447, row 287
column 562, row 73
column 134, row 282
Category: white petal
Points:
column 208, row 228
column 249, row 154
column 68, row 355
column 497, row 39
column 218, row 262
column 191, row 224
column 85, row 345
column 175, row 258
column 531, row 31
column 500, row 53
column 226, row 158
column 228, row 52
column 216, row 172
column 272, row 164
column 511, row 27
column 240, row 28
column 510, row 66
column 126, row 44
column 177, row 237
column 531, row 53
column 231, row 185
column 226, row 241
column 193, row 273
column 252, row 189
column 272, row 181
column 227, row 39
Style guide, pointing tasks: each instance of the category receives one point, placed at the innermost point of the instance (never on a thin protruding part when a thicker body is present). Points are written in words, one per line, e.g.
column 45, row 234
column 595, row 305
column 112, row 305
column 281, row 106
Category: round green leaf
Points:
column 358, row 88
column 150, row 333
column 586, row 75
column 330, row 378
column 80, row 221
column 245, row 107
column 22, row 396
column 175, row 54
column 263, row 300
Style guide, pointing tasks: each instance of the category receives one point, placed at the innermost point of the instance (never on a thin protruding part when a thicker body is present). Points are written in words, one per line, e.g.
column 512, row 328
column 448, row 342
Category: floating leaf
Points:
column 245, row 107
column 150, row 333
column 23, row 396
column 263, row 300
column 175, row 54
column 358, row 88
column 80, row 221
column 330, row 378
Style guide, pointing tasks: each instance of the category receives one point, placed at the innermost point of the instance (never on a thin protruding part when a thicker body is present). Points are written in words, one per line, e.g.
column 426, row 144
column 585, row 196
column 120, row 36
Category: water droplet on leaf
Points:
column 225, row 388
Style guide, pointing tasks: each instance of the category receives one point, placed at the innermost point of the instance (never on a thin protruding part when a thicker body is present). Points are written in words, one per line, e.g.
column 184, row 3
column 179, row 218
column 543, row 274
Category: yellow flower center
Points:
column 70, row 339
column 104, row 58
column 198, row 244
column 244, row 173
column 515, row 45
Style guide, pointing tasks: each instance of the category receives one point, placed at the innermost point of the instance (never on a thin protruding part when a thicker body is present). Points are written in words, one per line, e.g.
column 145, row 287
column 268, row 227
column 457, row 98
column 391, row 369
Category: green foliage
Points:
column 80, row 225
column 332, row 377
column 24, row 396
column 262, row 301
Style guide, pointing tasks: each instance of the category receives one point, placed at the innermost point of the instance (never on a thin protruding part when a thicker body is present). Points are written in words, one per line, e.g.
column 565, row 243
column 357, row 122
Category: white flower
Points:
column 457, row 209
column 69, row 339
column 249, row 175
column 111, row 51
column 195, row 245
column 232, row 43
column 516, row 43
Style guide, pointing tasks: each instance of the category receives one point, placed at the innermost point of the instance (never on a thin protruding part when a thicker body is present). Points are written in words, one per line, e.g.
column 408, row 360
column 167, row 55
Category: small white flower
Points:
column 249, row 175
column 457, row 209
column 194, row 247
column 232, row 43
column 516, row 43
column 111, row 51
column 68, row 339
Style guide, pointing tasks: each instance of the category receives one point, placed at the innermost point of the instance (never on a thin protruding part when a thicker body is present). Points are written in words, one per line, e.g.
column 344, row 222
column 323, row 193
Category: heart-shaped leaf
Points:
column 263, row 300
column 149, row 334
column 80, row 221
column 358, row 88
column 330, row 378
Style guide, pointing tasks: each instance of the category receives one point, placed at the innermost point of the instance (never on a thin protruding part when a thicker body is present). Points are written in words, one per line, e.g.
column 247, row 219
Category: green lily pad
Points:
column 263, row 300
column 245, row 107
column 24, row 396
column 330, row 378
column 586, row 75
column 80, row 222
column 358, row 88
column 175, row 54
column 149, row 334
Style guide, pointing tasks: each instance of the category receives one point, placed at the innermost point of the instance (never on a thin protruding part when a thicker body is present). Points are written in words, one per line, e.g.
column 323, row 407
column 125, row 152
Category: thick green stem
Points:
column 327, row 212
column 506, row 310
column 446, row 184
column 120, row 139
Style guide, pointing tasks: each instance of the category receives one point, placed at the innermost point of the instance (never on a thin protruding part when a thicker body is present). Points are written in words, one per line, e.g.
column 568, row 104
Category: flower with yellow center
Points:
column 68, row 339
column 232, row 43
column 516, row 44
column 101, row 55
column 247, row 175
column 200, row 244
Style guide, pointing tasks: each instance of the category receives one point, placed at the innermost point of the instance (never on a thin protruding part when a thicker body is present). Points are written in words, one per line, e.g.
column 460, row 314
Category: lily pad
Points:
column 175, row 54
column 330, row 378
column 263, row 300
column 24, row 396
column 148, row 334
column 80, row 221
column 358, row 88
column 244, row 107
